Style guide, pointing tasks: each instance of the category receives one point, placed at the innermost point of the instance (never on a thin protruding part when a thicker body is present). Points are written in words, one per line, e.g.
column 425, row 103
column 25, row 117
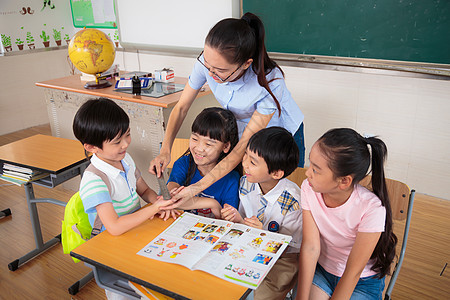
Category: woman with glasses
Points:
column 244, row 80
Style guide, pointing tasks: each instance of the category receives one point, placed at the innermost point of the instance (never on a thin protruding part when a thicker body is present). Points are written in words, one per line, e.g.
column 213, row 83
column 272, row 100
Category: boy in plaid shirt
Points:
column 271, row 202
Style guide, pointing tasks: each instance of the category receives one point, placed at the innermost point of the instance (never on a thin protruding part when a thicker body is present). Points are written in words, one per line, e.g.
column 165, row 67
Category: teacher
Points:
column 245, row 81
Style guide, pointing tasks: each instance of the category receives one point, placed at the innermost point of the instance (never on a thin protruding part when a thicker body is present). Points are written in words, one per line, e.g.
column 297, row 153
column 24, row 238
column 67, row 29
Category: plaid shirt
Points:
column 283, row 207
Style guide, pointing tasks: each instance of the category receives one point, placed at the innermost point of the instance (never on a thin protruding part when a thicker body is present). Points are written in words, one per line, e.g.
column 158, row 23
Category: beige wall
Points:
column 410, row 114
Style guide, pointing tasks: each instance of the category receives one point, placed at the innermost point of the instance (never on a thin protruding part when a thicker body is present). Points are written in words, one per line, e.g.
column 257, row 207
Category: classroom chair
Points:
column 178, row 148
column 298, row 176
column 402, row 200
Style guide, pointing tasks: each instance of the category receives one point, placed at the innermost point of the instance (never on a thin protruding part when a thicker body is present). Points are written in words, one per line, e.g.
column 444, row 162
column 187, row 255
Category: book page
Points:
column 244, row 255
column 187, row 240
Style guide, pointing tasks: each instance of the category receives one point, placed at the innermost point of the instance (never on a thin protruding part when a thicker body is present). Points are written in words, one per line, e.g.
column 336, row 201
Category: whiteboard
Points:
column 176, row 26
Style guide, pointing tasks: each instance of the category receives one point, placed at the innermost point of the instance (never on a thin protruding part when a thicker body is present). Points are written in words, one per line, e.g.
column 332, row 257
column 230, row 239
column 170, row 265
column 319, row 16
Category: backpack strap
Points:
column 97, row 222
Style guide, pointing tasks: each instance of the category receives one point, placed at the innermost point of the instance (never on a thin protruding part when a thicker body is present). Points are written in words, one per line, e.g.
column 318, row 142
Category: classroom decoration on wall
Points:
column 170, row 25
column 93, row 13
column 28, row 25
column 412, row 30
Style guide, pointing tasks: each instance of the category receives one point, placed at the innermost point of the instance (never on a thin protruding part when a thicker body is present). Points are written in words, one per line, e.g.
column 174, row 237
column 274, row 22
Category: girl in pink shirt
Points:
column 348, row 244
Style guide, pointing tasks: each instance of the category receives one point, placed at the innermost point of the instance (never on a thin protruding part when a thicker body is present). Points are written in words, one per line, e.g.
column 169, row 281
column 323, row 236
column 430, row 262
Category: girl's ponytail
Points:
column 384, row 251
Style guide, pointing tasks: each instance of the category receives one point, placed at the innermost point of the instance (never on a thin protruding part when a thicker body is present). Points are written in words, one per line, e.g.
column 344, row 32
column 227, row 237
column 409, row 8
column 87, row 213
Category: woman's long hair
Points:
column 241, row 39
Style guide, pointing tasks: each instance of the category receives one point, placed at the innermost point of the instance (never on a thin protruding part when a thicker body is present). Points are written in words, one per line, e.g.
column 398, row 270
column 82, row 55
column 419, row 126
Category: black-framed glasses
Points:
column 215, row 74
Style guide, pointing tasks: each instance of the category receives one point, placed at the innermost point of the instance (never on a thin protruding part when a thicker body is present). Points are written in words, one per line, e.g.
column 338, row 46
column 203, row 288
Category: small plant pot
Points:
column 8, row 48
column 31, row 46
column 67, row 41
column 117, row 44
column 20, row 47
column 46, row 44
column 58, row 43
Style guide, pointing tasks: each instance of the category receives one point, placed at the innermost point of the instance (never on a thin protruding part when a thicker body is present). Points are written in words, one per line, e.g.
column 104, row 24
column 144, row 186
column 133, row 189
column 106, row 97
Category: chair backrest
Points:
column 402, row 200
column 178, row 148
column 298, row 176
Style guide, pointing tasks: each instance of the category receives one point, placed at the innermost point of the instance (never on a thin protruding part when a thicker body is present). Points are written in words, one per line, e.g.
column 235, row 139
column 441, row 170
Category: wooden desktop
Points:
column 118, row 255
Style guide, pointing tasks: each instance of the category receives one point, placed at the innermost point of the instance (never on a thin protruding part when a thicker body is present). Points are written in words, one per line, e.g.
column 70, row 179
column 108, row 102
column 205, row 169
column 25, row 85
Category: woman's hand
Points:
column 231, row 214
column 253, row 222
column 159, row 163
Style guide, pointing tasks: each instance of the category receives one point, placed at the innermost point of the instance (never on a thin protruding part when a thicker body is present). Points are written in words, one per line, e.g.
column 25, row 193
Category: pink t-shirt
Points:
column 338, row 226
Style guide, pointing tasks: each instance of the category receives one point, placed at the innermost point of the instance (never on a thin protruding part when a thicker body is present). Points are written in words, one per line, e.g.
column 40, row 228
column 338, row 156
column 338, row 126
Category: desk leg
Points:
column 34, row 217
column 5, row 213
column 76, row 287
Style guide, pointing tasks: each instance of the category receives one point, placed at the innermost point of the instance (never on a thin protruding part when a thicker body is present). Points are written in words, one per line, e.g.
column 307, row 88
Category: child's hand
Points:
column 162, row 204
column 253, row 222
column 230, row 213
column 175, row 191
column 166, row 214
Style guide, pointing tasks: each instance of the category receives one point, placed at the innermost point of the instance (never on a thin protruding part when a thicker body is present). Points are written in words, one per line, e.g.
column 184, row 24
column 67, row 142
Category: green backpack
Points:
column 76, row 228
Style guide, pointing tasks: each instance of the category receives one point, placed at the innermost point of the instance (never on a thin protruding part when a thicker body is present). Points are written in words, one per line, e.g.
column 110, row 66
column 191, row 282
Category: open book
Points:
column 231, row 251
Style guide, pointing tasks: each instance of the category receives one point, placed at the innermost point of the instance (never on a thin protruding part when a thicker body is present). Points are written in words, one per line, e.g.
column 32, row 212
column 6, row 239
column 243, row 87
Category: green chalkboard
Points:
column 400, row 30
column 91, row 14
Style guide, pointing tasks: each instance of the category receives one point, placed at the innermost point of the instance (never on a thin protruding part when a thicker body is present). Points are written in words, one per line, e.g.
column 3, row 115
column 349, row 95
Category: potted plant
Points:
column 67, row 38
column 30, row 40
column 57, row 37
column 6, row 40
column 19, row 44
column 45, row 39
column 116, row 38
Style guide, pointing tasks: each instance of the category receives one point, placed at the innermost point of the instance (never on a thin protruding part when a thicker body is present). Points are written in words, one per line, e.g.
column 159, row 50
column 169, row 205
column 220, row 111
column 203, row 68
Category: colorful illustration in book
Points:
column 228, row 267
column 211, row 239
column 174, row 254
column 199, row 238
column 221, row 247
column 201, row 225
column 256, row 275
column 150, row 249
column 190, row 234
column 171, row 245
column 262, row 259
column 234, row 233
column 262, row 234
column 235, row 269
column 182, row 247
column 162, row 252
column 237, row 253
column 255, row 243
column 221, row 230
column 161, row 241
column 210, row 228
column 241, row 272
column 273, row 246
column 249, row 273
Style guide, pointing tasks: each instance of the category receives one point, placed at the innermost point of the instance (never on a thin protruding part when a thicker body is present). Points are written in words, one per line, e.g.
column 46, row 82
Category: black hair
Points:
column 348, row 154
column 218, row 124
column 241, row 39
column 277, row 147
column 99, row 120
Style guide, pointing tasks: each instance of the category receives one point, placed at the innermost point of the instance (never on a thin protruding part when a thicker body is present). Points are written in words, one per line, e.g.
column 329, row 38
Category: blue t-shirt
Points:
column 225, row 190
column 243, row 96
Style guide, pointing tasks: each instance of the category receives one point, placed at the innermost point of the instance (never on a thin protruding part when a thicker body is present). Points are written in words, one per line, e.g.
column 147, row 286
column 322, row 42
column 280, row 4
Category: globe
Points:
column 92, row 51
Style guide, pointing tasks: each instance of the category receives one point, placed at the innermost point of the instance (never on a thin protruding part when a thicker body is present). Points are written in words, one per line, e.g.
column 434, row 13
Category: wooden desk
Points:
column 63, row 159
column 148, row 115
column 117, row 255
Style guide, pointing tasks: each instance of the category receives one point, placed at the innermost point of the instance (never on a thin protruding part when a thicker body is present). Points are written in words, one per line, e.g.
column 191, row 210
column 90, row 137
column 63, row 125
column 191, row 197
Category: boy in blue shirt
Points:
column 271, row 202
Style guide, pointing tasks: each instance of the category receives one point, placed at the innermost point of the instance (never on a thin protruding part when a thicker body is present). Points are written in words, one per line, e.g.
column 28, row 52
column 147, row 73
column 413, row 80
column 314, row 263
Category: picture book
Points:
column 231, row 251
